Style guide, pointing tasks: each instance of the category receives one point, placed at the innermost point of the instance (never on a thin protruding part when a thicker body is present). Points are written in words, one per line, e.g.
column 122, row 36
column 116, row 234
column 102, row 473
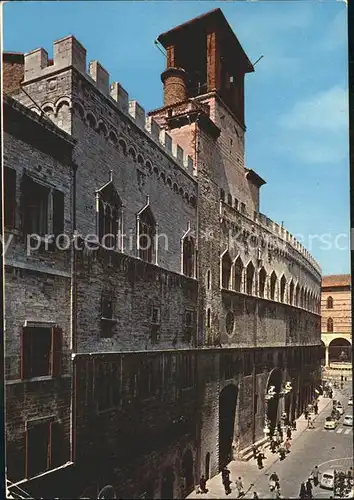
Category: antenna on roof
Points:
column 257, row 60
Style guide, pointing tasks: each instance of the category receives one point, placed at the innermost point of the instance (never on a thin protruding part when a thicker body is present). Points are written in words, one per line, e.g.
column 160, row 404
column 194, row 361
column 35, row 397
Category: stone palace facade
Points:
column 144, row 366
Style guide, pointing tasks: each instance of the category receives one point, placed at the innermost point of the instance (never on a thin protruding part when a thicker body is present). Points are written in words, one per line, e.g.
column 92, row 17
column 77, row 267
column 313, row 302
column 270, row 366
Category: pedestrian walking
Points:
column 273, row 445
column 306, row 414
column 302, row 493
column 239, row 487
column 310, row 423
column 308, row 487
column 225, row 475
column 282, row 452
column 255, row 496
column 314, row 474
column 260, row 460
column 279, row 429
column 274, row 481
column 315, row 406
column 255, row 451
column 287, row 445
column 293, row 425
column 288, row 433
column 202, row 485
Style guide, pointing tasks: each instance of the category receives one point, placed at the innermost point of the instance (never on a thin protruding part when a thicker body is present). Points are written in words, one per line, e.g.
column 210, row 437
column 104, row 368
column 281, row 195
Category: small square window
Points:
column 155, row 315
column 189, row 318
column 107, row 307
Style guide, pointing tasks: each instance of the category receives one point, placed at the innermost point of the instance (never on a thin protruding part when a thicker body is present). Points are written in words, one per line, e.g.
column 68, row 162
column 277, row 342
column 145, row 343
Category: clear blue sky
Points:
column 296, row 101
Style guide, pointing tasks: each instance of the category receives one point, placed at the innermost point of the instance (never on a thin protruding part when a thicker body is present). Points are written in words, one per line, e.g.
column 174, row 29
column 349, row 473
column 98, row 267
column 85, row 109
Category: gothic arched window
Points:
column 226, row 270
column 188, row 256
column 249, row 278
column 273, row 285
column 109, row 217
column 330, row 325
column 146, row 234
column 330, row 303
column 238, row 274
column 262, row 282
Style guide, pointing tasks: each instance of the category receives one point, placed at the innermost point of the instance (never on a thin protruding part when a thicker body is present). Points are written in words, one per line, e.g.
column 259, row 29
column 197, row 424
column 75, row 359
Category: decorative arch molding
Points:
column 122, row 143
column 132, row 152
column 112, row 137
column 63, row 101
column 91, row 120
column 35, row 109
column 102, row 128
column 48, row 107
column 80, row 108
column 140, row 159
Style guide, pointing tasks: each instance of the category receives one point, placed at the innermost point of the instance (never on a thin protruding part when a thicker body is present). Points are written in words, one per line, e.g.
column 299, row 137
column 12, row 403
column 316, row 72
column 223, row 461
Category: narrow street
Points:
column 310, row 447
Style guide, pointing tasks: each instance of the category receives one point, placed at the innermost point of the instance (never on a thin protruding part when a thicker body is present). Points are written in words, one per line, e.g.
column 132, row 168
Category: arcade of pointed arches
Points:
column 234, row 275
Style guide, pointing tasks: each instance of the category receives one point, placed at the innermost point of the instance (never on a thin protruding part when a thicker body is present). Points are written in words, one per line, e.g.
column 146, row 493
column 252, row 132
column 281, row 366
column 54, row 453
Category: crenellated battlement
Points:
column 69, row 53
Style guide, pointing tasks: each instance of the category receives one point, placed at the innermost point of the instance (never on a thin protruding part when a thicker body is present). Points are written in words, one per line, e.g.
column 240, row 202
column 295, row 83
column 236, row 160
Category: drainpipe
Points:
column 254, row 376
column 73, row 317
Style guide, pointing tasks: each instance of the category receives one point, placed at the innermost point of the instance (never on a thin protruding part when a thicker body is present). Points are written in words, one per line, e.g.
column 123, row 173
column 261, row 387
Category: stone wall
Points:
column 37, row 285
column 150, row 427
column 136, row 287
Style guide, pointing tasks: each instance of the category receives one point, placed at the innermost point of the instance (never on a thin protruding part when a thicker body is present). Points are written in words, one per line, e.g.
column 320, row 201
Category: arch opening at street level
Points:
column 338, row 348
column 227, row 414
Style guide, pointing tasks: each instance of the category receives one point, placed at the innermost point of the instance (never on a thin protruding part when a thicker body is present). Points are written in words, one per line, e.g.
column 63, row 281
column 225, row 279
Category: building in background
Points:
column 336, row 312
column 173, row 346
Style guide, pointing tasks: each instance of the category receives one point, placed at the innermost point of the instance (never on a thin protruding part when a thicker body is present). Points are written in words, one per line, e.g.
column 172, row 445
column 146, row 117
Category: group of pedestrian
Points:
column 225, row 476
column 306, row 490
column 343, row 482
column 277, row 443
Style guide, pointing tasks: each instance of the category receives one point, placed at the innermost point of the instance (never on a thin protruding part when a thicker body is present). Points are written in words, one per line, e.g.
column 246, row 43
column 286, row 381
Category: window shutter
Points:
column 58, row 212
column 25, row 189
column 56, row 354
column 10, row 196
column 56, row 444
column 25, row 353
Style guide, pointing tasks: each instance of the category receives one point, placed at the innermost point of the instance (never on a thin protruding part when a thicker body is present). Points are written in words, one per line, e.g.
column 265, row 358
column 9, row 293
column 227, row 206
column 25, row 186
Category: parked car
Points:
column 330, row 424
column 350, row 402
column 327, row 479
column 348, row 420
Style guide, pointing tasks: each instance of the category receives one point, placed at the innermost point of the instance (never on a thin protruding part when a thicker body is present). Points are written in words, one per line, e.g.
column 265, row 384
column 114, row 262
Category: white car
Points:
column 330, row 425
column 350, row 401
column 348, row 420
column 327, row 479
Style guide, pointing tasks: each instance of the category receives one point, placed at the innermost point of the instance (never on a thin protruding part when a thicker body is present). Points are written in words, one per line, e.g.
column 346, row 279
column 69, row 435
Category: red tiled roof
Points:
column 336, row 280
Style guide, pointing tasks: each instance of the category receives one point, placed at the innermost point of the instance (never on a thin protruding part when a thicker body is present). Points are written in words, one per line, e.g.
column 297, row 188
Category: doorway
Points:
column 227, row 413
